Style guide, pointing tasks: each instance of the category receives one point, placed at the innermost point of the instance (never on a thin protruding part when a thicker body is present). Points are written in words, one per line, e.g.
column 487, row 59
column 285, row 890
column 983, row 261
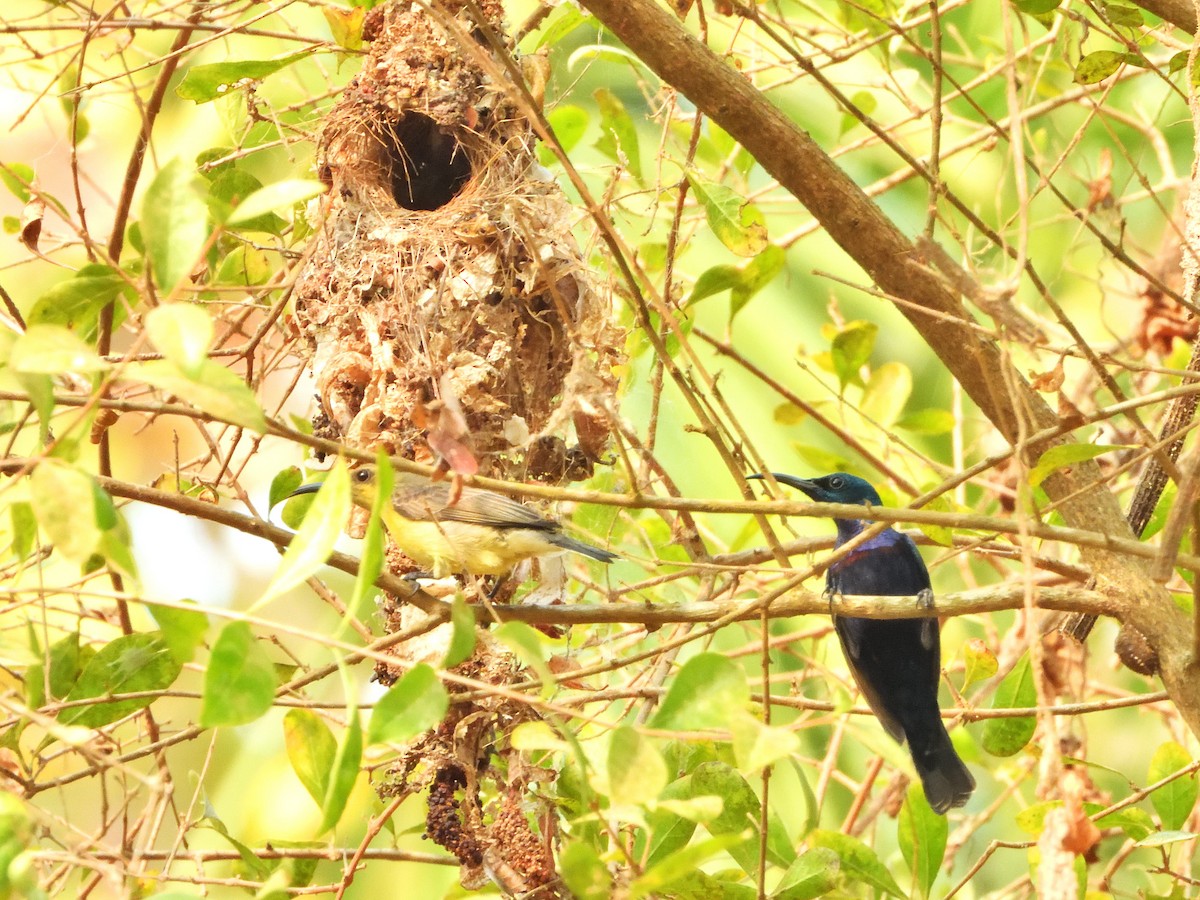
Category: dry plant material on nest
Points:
column 445, row 272
column 448, row 312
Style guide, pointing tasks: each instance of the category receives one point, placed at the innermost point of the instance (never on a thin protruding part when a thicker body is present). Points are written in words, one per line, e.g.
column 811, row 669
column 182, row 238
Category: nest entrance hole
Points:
column 428, row 166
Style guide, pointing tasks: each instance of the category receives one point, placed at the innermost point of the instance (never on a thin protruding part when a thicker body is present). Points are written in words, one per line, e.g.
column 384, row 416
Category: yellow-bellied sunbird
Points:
column 469, row 531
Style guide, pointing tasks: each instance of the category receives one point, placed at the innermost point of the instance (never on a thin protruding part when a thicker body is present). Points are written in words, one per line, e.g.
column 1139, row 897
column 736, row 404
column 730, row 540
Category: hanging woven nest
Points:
column 444, row 274
column 448, row 313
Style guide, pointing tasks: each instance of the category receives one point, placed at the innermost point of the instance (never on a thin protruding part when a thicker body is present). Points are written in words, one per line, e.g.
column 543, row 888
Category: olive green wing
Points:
column 431, row 503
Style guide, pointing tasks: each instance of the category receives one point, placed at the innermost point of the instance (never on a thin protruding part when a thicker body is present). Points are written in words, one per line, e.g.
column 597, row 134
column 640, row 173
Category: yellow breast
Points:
column 446, row 548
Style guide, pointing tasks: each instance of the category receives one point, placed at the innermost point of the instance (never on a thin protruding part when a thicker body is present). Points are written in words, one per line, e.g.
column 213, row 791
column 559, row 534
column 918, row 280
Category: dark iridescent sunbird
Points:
column 895, row 662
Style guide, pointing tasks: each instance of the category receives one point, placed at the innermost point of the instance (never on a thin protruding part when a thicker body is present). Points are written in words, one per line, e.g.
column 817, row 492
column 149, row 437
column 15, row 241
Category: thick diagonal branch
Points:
column 892, row 261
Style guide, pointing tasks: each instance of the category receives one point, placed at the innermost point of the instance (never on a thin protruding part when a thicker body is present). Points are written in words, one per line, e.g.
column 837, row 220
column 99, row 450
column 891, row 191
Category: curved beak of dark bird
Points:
column 800, row 484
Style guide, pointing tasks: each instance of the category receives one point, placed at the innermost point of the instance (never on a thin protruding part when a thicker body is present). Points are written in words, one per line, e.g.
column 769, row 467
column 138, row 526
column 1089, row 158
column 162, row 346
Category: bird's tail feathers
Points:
column 558, row 539
column 945, row 778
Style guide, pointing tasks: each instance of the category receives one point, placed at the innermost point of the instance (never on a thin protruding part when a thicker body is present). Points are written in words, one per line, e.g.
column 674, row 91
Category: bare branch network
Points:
column 986, row 208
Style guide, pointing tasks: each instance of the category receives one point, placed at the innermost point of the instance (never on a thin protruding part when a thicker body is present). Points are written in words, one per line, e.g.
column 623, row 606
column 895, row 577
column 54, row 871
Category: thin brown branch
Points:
column 873, row 241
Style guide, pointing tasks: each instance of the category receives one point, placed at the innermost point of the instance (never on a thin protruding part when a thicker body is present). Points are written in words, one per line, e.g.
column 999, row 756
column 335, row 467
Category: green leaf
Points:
column 619, row 137
column 813, row 874
column 789, row 414
column 695, row 884
column 67, row 660
column 311, row 749
column 239, row 683
column 1006, row 736
column 682, row 864
column 527, row 644
column 276, row 196
column 1179, row 62
column 756, row 274
column 584, row 873
column 702, row 695
column 182, row 332
column 259, row 867
column 214, row 389
column 345, row 25
column 1163, row 838
column 859, row 862
column 568, row 122
column 183, row 629
column 230, row 186
column 52, row 350
column 979, row 662
column 537, row 735
column 343, row 773
column 607, row 53
column 713, row 281
column 208, row 82
column 373, row 548
column 62, row 496
column 76, row 303
column 283, row 484
column 116, row 540
column 1067, row 454
column 1032, row 819
column 295, row 509
column 1175, row 800
column 922, row 835
column 742, row 281
column 132, row 663
column 740, row 813
column 851, row 349
column 1162, row 510
column 40, row 389
column 927, row 421
column 313, row 543
column 24, row 529
column 174, row 223
column 1128, row 16
column 866, row 104
column 1098, row 65
column 940, row 534
column 887, row 391
column 412, row 705
column 246, row 265
column 462, row 635
column 695, row 809
column 755, row 745
column 668, row 830
column 812, row 808
column 15, row 177
column 1038, row 7
column 561, row 22
column 737, row 223
column 637, row 773
column 1135, row 822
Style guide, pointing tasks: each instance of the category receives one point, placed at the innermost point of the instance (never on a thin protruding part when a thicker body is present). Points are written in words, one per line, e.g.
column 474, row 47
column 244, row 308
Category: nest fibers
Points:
column 445, row 272
column 445, row 304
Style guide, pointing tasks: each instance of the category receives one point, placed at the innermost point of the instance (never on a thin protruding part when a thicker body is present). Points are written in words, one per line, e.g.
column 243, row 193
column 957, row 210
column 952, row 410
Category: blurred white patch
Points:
column 181, row 557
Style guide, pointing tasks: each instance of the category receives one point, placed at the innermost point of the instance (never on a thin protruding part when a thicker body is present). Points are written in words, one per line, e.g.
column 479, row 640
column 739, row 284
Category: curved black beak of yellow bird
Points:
column 311, row 488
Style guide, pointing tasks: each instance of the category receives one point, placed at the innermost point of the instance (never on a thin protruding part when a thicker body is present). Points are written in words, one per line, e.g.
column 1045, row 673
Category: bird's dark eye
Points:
column 362, row 476
column 837, row 482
